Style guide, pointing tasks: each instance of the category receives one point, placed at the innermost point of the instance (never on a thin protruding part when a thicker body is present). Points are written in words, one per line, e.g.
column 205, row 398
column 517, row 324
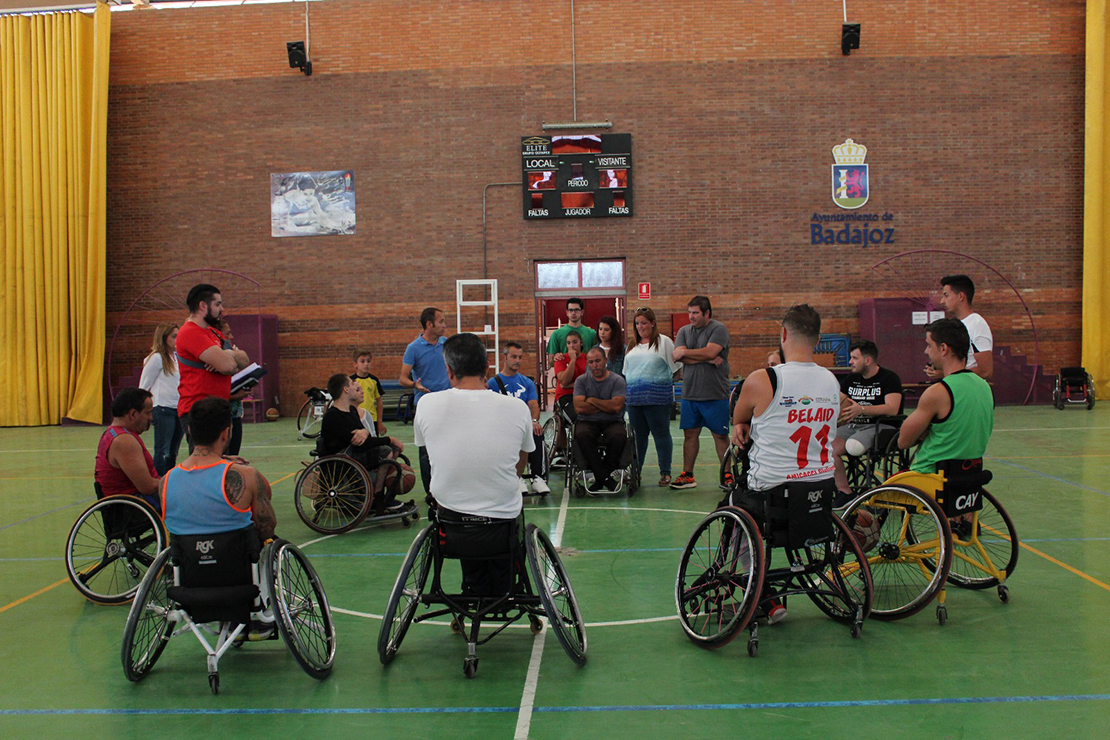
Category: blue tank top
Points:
column 194, row 502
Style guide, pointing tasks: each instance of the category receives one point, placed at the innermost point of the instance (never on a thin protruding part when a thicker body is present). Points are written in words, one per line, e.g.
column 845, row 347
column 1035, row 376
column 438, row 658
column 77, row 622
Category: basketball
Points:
column 866, row 529
column 272, row 414
column 854, row 448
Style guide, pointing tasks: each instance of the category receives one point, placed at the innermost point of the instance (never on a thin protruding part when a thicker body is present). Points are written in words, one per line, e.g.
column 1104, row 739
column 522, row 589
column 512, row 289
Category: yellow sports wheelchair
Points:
column 922, row 530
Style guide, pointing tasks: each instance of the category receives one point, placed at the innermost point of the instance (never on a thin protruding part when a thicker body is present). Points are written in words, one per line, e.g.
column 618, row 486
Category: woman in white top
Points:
column 649, row 396
column 160, row 378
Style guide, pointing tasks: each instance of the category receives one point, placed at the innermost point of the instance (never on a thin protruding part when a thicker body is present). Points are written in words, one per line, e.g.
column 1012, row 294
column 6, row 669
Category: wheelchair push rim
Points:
column 405, row 595
column 106, row 560
column 333, row 495
column 301, row 608
column 555, row 592
column 910, row 553
column 148, row 625
column 716, row 591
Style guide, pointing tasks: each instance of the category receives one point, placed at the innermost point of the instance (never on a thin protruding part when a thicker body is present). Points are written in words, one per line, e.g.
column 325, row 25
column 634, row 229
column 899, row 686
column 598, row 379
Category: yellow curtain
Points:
column 1096, row 206
column 53, row 141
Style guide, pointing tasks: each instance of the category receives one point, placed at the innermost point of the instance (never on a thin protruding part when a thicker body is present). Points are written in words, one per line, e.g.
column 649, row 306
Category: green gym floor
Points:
column 1036, row 667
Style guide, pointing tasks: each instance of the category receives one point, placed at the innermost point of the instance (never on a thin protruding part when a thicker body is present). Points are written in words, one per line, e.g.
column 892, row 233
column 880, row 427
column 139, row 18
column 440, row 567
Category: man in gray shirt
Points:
column 599, row 402
column 702, row 347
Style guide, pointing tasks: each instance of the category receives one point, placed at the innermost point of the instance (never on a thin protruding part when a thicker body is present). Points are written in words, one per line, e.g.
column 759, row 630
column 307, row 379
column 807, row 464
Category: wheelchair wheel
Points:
column 989, row 538
column 720, row 577
column 895, row 459
column 549, row 439
column 310, row 419
column 841, row 577
column 148, row 627
column 553, row 585
column 333, row 495
column 405, row 597
column 300, row 607
column 573, row 483
column 908, row 545
column 111, row 546
column 727, row 466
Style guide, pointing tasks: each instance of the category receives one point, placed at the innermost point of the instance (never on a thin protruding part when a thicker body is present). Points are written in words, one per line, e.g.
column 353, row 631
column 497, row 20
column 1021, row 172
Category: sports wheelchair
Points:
column 725, row 573
column 882, row 458
column 921, row 530
column 111, row 546
column 1073, row 386
column 310, row 418
column 539, row 587
column 334, row 493
column 215, row 586
column 576, row 470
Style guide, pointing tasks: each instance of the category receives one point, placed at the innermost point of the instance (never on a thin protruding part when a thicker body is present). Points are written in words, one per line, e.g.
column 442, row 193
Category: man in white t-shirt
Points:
column 957, row 293
column 478, row 443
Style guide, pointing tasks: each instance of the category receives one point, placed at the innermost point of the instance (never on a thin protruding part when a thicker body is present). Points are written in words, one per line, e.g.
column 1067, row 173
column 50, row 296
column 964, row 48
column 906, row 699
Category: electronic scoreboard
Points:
column 577, row 176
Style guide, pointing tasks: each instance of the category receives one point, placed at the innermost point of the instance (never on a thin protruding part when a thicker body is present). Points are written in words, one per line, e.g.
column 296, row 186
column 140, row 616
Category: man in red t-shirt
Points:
column 123, row 463
column 205, row 367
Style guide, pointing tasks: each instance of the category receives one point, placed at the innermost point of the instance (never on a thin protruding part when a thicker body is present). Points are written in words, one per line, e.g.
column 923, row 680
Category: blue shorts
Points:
column 713, row 415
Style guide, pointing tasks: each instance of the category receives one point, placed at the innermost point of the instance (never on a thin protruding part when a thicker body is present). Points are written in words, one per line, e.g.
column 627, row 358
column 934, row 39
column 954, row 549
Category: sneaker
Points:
column 392, row 506
column 588, row 478
column 522, row 487
column 728, row 482
column 776, row 613
column 842, row 499
column 540, row 487
column 558, row 461
column 259, row 631
column 684, row 480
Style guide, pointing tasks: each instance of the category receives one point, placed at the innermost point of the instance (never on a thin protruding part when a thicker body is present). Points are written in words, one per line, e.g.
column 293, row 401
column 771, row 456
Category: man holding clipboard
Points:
column 205, row 366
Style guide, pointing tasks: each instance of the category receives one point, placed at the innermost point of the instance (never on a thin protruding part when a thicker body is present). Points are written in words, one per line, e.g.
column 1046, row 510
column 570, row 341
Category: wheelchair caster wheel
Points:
column 857, row 629
column 942, row 614
column 535, row 624
column 456, row 627
column 1004, row 594
column 415, row 514
column 405, row 521
column 753, row 648
column 470, row 667
column 214, row 682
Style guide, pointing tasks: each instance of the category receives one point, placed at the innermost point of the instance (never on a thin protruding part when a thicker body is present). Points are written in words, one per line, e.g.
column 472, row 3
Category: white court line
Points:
column 528, row 696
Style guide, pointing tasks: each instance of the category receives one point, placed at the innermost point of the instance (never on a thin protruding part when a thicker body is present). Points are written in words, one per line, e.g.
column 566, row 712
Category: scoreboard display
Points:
column 577, row 176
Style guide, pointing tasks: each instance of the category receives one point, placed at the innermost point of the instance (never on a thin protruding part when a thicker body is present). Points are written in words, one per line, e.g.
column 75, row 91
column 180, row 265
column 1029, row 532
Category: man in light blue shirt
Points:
column 424, row 370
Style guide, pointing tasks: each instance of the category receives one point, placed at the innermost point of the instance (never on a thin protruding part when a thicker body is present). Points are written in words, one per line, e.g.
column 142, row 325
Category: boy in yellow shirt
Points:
column 371, row 387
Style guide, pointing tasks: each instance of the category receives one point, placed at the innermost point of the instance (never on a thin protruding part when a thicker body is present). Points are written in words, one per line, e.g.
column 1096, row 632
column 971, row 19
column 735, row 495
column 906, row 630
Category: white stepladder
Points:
column 488, row 290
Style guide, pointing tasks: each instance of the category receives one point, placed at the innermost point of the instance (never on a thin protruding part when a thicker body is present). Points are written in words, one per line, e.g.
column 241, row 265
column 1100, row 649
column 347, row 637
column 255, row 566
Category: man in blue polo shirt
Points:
column 423, row 370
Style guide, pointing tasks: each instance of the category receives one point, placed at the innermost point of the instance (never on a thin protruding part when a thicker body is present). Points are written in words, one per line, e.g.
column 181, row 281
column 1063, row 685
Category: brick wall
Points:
column 972, row 112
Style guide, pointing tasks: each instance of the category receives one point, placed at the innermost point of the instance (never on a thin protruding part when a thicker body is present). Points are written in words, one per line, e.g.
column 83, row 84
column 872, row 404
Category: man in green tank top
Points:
column 956, row 415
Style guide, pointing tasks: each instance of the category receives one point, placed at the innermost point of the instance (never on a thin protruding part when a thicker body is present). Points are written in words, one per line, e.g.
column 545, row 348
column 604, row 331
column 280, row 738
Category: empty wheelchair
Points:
column 726, row 572
column 226, row 587
column 111, row 546
column 335, row 493
column 531, row 584
column 1073, row 386
column 921, row 531
column 310, row 418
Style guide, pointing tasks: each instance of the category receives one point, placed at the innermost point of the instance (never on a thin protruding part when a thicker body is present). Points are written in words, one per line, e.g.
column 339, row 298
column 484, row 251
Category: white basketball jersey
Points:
column 792, row 438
